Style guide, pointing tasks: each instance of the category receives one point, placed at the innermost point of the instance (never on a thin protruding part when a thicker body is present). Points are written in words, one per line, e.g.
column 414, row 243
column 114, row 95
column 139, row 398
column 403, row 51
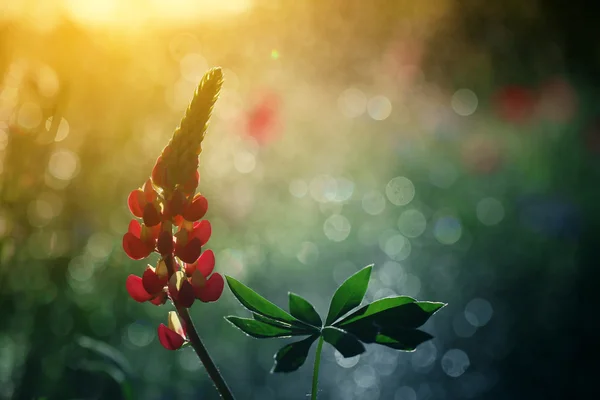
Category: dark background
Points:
column 295, row 169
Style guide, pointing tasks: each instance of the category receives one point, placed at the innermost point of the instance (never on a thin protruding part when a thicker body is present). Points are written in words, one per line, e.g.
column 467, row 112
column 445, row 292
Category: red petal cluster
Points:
column 192, row 277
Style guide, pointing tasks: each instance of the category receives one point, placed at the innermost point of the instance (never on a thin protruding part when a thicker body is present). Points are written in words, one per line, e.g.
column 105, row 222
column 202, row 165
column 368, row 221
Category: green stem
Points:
column 198, row 346
column 315, row 380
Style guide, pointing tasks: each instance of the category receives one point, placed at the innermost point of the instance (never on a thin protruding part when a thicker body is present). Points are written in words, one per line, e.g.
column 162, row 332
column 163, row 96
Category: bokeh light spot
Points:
column 373, row 202
column 365, row 376
column 192, row 67
column 405, row 393
column 323, row 188
column 397, row 247
column 63, row 129
column 443, row 175
column 379, row 108
column 447, row 230
column 29, row 116
column 337, row 228
column 352, row 103
column 63, row 165
column 308, row 253
column 244, row 161
column 455, row 362
column 140, row 335
column 346, row 362
column 400, row 191
column 464, row 102
column 298, row 188
column 490, row 211
column 478, row 312
column 412, row 223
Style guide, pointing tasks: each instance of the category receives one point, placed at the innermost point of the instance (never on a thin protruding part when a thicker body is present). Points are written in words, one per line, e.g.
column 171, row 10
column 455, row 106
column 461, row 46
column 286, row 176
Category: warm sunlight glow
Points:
column 130, row 13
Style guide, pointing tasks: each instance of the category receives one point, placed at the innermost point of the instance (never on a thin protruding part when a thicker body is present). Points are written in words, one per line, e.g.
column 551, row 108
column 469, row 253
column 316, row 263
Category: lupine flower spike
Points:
column 169, row 221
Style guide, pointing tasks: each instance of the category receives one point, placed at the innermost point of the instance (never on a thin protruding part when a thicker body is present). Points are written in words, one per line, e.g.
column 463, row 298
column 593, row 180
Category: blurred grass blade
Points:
column 291, row 356
column 256, row 303
column 407, row 340
column 349, row 294
column 303, row 310
column 344, row 342
column 261, row 330
column 105, row 350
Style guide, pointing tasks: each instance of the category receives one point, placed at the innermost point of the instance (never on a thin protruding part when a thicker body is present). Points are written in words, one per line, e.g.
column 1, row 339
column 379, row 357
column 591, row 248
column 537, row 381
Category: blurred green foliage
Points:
column 344, row 136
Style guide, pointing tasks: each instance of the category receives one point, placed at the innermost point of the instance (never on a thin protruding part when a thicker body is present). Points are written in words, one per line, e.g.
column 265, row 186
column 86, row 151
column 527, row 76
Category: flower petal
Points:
column 177, row 202
column 136, row 202
column 136, row 290
column 176, row 324
column 213, row 288
column 190, row 186
column 190, row 252
column 160, row 299
column 135, row 248
column 152, row 216
column 149, row 191
column 152, row 282
column 196, row 209
column 202, row 231
column 186, row 294
column 169, row 339
column 135, row 228
column 175, row 283
column 206, row 262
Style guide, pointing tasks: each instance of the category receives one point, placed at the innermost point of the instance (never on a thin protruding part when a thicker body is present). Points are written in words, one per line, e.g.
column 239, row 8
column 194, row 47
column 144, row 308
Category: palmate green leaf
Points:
column 256, row 303
column 303, row 310
column 349, row 294
column 406, row 340
column 384, row 316
column 300, row 326
column 262, row 330
column 344, row 342
column 376, row 307
column 291, row 356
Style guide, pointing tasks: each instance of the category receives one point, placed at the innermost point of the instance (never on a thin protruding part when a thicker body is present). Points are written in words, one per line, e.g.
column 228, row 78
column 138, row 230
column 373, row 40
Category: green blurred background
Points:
column 452, row 143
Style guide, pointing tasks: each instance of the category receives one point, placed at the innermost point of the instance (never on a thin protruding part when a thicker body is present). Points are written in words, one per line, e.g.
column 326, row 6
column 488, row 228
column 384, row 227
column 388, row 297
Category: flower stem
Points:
column 315, row 380
column 198, row 346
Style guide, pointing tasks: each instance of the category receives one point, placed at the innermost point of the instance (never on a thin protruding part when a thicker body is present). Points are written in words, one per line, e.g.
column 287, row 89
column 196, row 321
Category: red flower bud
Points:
column 169, row 339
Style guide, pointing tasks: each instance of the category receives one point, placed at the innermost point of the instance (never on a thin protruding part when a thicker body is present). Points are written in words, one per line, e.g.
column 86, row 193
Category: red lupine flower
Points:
column 207, row 287
column 140, row 240
column 151, row 286
column 174, row 336
column 167, row 202
column 515, row 104
column 196, row 281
